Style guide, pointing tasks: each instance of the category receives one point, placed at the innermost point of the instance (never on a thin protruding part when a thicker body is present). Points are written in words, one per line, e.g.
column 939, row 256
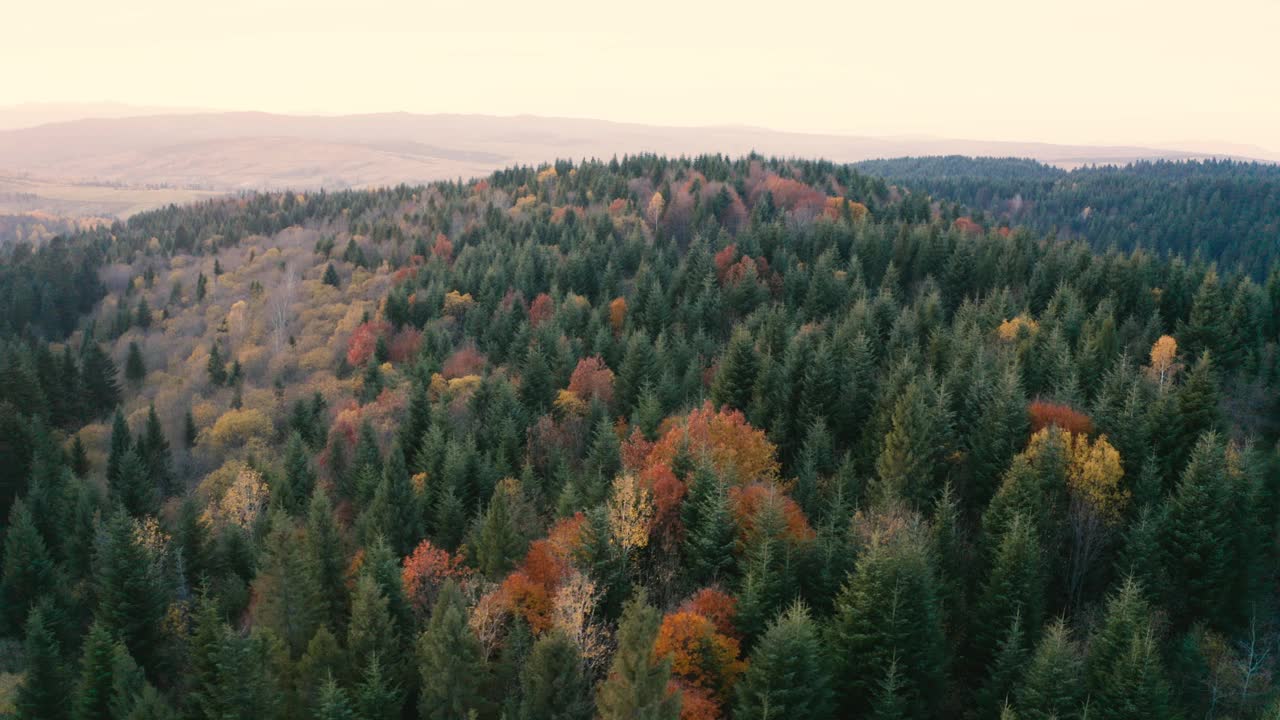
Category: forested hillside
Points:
column 1223, row 211
column 646, row 438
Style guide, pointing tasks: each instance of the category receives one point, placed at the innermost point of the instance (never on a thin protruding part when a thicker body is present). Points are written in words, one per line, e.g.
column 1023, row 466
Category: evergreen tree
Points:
column 29, row 570
column 736, row 378
column 333, row 703
column 217, row 367
column 1001, row 679
column 1053, row 685
column 371, row 632
column 709, row 529
column 1014, row 589
column 450, row 660
column 552, row 683
column 1136, row 687
column 189, row 431
column 331, row 276
column 92, row 700
column 132, row 487
column 135, row 368
column 637, row 683
column 132, row 593
column 787, row 676
column 299, row 479
column 156, row 455
column 378, row 696
column 202, row 286
column 98, row 372
column 888, row 613
column 326, row 562
column 909, row 464
column 45, row 688
column 501, row 543
column 284, row 587
column 1194, row 536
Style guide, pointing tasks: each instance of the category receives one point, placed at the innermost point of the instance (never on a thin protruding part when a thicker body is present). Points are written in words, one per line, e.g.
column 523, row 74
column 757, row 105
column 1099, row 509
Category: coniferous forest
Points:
column 652, row 438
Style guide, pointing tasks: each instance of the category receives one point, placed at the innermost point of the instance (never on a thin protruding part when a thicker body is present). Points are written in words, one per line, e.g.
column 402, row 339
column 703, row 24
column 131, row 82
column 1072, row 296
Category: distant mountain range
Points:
column 107, row 164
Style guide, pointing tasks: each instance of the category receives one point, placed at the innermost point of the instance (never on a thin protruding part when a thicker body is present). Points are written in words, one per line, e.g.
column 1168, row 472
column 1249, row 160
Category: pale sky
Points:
column 1083, row 71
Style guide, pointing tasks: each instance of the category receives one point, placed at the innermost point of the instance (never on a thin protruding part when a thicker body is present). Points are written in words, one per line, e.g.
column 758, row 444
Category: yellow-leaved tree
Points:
column 630, row 512
column 1164, row 361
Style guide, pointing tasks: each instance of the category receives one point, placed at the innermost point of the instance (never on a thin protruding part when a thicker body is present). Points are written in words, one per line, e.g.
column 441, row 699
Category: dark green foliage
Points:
column 450, row 661
column 331, row 276
column 29, row 572
column 132, row 593
column 1053, row 686
column 888, row 614
column 552, row 682
column 637, row 683
column 135, row 368
column 787, row 676
column 45, row 687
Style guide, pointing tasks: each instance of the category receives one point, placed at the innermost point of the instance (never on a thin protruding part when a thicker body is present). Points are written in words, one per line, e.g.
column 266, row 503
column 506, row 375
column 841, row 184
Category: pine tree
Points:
column 98, row 371
column 299, row 480
column 333, row 703
column 787, row 676
column 888, row 613
column 135, row 368
column 45, row 687
column 29, row 570
column 709, row 529
column 326, row 562
column 156, row 456
column 552, row 682
column 92, row 700
column 500, row 543
column 1014, row 589
column 1194, row 536
column 1001, row 678
column 217, row 367
column 132, row 594
column 286, row 596
column 637, row 683
column 536, row 388
column 909, row 463
column 451, row 661
column 132, row 488
column 1052, row 688
column 189, row 431
column 378, row 696
column 736, row 378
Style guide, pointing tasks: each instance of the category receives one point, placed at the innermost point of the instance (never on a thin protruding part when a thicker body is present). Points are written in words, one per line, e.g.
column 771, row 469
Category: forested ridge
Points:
column 1225, row 211
column 647, row 438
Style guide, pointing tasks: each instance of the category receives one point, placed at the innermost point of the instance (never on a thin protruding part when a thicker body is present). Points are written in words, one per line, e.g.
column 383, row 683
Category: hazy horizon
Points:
column 1090, row 73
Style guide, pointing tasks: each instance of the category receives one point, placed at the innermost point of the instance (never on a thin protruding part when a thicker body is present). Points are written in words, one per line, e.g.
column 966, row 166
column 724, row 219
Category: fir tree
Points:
column 216, row 367
column 736, row 378
column 299, row 480
column 500, row 543
column 377, row 695
column 450, row 660
column 45, row 687
column 637, row 683
column 552, row 683
column 132, row 594
column 92, row 700
column 1053, row 685
column 29, row 570
column 156, row 455
column 333, row 703
column 287, row 596
column 326, row 562
column 331, row 276
column 787, row 676
column 98, row 371
column 135, row 368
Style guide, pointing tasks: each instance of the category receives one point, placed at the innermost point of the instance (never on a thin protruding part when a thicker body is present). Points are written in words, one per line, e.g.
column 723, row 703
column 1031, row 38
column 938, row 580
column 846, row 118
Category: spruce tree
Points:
column 378, row 696
column 787, row 676
column 156, row 455
column 98, row 371
column 216, row 367
column 450, row 660
column 888, row 613
column 1195, row 538
column 333, row 703
column 284, row 587
column 1014, row 589
column 709, row 529
column 29, row 572
column 331, row 276
column 92, row 699
column 1053, row 687
column 326, row 562
column 132, row 594
column 299, row 479
column 736, row 378
column 552, row 683
column 132, row 487
column 135, row 368
column 501, row 543
column 637, row 683
column 45, row 686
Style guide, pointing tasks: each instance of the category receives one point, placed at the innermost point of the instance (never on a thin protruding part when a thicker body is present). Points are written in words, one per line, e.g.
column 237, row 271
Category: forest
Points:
column 657, row 438
column 1225, row 211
